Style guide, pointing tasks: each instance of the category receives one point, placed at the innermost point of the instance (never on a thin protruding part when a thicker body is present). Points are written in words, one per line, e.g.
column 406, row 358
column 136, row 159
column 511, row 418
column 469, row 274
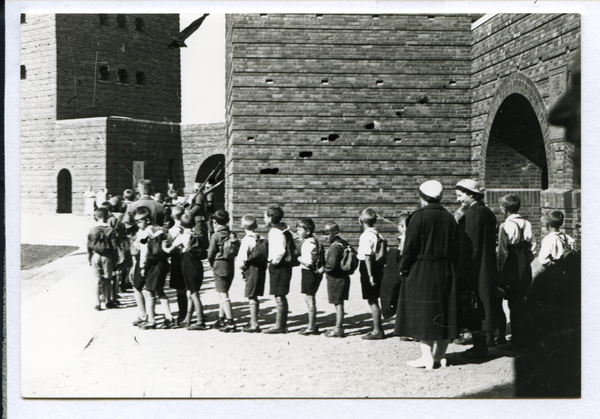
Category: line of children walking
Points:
column 332, row 256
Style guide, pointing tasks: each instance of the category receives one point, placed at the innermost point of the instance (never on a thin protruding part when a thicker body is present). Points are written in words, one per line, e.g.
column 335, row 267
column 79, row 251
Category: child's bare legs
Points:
column 150, row 296
column 253, row 302
column 99, row 284
column 225, row 307
column 164, row 303
column 197, row 304
column 376, row 313
column 426, row 360
column 182, row 304
column 339, row 317
column 140, row 302
column 312, row 311
column 282, row 312
column 106, row 290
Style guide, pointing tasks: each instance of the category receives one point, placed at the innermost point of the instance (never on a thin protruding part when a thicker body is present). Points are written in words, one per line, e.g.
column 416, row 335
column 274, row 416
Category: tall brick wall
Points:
column 84, row 45
column 38, row 108
column 527, row 55
column 67, row 112
column 295, row 80
column 157, row 144
column 199, row 142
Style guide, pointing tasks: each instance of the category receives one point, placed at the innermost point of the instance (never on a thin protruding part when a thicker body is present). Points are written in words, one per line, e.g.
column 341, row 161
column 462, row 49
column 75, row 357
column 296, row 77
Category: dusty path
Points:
column 89, row 354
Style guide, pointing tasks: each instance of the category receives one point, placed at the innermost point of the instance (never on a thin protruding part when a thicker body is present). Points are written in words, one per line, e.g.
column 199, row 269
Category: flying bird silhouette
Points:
column 179, row 42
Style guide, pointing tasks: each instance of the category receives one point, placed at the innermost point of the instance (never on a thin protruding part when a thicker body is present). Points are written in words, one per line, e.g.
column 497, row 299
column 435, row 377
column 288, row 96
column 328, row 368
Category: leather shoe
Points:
column 273, row 331
column 334, row 334
column 308, row 332
column 249, row 329
column 373, row 336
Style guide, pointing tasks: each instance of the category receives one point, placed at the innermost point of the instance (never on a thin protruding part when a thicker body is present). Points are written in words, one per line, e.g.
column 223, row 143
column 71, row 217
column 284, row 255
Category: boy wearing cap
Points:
column 476, row 268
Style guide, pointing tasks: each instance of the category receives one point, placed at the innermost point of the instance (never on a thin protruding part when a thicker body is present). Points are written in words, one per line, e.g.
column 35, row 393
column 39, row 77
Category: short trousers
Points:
column 138, row 281
column 310, row 282
column 176, row 280
column 156, row 276
column 279, row 279
column 193, row 272
column 370, row 292
column 102, row 265
column 338, row 289
column 223, row 273
column 255, row 282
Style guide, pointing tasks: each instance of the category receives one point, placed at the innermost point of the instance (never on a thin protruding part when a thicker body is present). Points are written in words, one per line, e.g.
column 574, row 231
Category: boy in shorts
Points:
column 223, row 270
column 102, row 254
column 177, row 280
column 338, row 281
column 280, row 272
column 311, row 279
column 191, row 267
column 253, row 271
column 154, row 267
column 371, row 273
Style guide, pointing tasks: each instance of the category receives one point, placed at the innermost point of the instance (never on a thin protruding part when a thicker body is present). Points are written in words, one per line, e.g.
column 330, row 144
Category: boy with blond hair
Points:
column 371, row 273
column 253, row 269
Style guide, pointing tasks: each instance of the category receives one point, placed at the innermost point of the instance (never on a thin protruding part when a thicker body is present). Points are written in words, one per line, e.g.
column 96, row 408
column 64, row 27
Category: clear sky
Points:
column 203, row 71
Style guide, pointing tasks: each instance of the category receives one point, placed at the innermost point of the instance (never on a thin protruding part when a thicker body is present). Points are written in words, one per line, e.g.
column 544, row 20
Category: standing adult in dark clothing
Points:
column 427, row 303
column 157, row 210
column 202, row 208
column 476, row 269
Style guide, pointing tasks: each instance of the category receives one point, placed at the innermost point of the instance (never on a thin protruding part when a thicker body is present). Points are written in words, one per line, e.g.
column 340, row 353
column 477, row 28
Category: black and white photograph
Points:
column 271, row 202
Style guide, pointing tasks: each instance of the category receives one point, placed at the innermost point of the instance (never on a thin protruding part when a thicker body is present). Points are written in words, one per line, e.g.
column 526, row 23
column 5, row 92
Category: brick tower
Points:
column 100, row 104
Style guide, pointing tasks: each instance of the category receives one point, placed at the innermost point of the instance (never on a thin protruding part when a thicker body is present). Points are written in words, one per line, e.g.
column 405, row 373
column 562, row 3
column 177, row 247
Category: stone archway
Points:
column 64, row 192
column 206, row 169
column 522, row 86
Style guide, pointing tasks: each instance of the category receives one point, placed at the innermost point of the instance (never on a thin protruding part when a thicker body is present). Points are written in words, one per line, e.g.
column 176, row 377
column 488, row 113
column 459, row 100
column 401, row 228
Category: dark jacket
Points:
column 427, row 307
column 333, row 258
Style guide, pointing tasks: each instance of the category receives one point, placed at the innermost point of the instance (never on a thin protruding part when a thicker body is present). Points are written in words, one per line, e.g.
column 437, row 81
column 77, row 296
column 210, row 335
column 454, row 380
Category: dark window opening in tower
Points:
column 23, row 18
column 121, row 21
column 23, row 72
column 139, row 24
column 103, row 19
column 122, row 76
column 140, row 78
column 104, row 73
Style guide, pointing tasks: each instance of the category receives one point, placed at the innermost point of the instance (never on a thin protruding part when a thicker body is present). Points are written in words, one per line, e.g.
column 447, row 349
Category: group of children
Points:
column 142, row 253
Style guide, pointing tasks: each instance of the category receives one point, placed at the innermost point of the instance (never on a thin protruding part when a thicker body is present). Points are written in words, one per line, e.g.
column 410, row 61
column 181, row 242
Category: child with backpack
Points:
column 252, row 262
column 154, row 267
column 372, row 253
column 340, row 262
column 282, row 258
column 102, row 255
column 192, row 251
column 311, row 261
column 223, row 249
column 516, row 244
column 556, row 243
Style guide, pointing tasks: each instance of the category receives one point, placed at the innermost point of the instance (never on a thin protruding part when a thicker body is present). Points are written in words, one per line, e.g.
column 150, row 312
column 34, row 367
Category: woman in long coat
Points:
column 427, row 303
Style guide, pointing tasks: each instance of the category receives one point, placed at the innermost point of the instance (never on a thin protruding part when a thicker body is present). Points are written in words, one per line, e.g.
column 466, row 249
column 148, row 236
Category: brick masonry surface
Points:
column 351, row 111
column 405, row 98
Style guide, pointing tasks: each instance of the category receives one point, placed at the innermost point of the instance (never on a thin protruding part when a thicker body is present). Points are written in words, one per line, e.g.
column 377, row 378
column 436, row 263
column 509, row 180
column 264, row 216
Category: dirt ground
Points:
column 101, row 355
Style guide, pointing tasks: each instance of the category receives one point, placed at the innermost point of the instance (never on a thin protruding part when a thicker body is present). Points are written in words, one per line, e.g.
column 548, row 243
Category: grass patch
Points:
column 36, row 255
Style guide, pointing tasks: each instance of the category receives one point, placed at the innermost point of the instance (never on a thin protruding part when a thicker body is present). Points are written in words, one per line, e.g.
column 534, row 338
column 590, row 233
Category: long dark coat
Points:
column 476, row 270
column 427, row 303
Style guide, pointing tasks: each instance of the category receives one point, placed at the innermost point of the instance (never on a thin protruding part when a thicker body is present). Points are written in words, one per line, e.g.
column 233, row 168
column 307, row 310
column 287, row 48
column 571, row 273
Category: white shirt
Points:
column 553, row 247
column 367, row 244
column 308, row 253
column 247, row 245
column 510, row 234
column 276, row 245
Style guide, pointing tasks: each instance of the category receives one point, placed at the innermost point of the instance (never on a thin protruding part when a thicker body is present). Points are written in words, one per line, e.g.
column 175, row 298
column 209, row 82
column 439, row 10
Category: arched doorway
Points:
column 516, row 155
column 516, row 158
column 64, row 192
column 207, row 168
